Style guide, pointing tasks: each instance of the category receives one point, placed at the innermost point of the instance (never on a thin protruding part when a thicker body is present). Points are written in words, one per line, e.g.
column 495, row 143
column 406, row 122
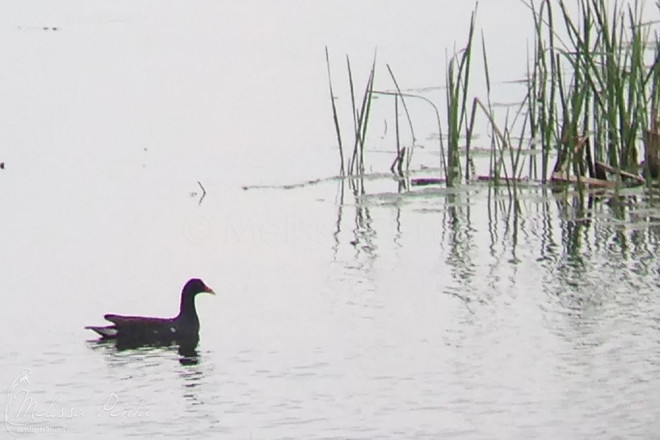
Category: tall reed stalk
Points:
column 335, row 117
column 353, row 164
column 457, row 81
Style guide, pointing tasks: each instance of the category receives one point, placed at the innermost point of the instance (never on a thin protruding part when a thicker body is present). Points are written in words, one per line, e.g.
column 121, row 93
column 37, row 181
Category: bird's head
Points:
column 195, row 286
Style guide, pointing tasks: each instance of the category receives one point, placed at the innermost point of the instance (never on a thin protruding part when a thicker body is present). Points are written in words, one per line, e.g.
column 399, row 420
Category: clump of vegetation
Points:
column 591, row 102
column 592, row 97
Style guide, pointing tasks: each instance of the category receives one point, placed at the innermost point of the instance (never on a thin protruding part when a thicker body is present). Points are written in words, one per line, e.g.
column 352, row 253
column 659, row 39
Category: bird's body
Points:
column 136, row 331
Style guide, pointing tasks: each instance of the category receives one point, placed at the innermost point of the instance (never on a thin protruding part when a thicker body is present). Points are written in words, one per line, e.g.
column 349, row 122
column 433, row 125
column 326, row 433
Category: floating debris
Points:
column 425, row 181
column 40, row 28
column 203, row 192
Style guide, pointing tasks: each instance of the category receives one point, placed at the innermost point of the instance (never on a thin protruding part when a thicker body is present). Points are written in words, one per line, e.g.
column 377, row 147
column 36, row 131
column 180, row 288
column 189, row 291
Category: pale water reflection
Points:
column 435, row 314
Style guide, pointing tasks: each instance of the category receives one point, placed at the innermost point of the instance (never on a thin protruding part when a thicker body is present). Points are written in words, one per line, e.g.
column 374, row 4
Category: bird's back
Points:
column 139, row 330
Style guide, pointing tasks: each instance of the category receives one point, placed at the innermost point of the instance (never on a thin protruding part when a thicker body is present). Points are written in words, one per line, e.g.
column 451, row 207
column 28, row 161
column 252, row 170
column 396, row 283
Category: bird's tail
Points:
column 109, row 332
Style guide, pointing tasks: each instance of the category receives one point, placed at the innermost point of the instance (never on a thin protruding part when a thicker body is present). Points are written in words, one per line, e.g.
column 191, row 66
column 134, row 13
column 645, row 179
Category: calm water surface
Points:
column 429, row 313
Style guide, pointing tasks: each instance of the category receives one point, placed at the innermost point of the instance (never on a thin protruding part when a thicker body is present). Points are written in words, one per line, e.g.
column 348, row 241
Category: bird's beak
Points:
column 209, row 290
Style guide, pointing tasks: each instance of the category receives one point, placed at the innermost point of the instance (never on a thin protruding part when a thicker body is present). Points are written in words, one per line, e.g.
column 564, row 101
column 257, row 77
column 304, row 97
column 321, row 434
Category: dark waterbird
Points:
column 137, row 331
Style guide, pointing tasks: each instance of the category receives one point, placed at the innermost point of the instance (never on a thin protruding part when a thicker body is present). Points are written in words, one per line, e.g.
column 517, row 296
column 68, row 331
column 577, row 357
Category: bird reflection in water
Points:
column 188, row 353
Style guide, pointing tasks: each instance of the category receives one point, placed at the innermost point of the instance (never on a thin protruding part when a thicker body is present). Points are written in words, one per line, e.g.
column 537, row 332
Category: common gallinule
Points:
column 136, row 331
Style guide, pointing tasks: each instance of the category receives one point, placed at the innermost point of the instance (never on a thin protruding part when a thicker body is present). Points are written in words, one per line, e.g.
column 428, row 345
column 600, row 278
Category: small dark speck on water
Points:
column 2, row 165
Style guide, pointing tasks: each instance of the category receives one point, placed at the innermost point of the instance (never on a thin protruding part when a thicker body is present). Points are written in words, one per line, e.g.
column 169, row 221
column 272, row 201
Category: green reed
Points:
column 360, row 118
column 335, row 117
column 353, row 164
column 457, row 81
